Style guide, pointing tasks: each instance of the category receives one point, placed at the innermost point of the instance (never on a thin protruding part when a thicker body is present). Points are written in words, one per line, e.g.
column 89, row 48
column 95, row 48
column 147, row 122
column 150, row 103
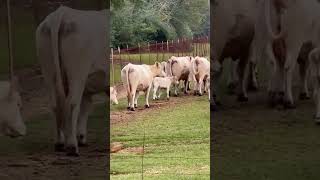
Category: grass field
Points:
column 176, row 142
column 254, row 141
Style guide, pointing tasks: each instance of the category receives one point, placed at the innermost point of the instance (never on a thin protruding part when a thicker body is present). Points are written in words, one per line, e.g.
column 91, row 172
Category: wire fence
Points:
column 149, row 53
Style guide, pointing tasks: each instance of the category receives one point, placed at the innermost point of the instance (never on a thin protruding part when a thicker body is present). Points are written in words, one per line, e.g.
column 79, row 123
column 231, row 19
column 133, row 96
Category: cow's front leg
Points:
column 176, row 90
column 242, row 96
column 186, row 84
column 303, row 69
column 289, row 69
column 168, row 90
column 200, row 86
column 85, row 109
column 154, row 97
column 147, row 96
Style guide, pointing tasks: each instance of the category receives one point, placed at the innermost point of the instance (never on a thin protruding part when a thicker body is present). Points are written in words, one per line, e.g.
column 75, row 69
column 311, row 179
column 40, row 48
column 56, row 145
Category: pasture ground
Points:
column 33, row 156
column 177, row 142
column 254, row 141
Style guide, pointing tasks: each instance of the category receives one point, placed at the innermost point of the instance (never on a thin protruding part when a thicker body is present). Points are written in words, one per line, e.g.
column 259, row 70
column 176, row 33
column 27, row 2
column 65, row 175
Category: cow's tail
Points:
column 55, row 27
column 171, row 72
column 267, row 9
column 128, row 81
column 194, row 67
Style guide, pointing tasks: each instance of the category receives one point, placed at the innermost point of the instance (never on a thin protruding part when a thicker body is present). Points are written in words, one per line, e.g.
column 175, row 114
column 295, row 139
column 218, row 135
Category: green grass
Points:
column 253, row 141
column 172, row 135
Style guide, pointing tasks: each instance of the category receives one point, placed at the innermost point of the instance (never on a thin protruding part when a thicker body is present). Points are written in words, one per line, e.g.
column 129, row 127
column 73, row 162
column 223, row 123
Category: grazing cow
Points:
column 200, row 70
column 233, row 35
column 180, row 67
column 297, row 25
column 11, row 122
column 71, row 48
column 163, row 83
column 113, row 95
column 138, row 78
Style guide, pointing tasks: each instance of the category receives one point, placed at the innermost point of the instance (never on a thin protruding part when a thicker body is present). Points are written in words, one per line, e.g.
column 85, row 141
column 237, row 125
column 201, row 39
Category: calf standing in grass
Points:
column 113, row 95
column 138, row 78
column 163, row 83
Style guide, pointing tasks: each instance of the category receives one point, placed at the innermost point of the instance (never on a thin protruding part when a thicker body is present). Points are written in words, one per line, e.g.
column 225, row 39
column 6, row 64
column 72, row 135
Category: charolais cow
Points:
column 200, row 70
column 234, row 23
column 113, row 95
column 295, row 26
column 180, row 67
column 11, row 122
column 71, row 48
column 138, row 78
column 163, row 83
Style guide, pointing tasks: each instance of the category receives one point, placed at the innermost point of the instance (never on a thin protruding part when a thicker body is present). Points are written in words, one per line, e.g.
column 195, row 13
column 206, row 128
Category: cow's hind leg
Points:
column 136, row 99
column 85, row 108
column 59, row 141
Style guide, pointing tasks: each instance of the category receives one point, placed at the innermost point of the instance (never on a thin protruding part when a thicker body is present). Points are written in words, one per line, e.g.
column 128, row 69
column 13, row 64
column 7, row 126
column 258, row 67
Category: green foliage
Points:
column 135, row 21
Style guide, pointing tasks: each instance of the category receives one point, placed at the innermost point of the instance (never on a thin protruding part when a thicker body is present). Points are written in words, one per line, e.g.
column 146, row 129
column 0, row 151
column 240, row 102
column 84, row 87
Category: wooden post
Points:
column 168, row 48
column 173, row 49
column 193, row 48
column 157, row 51
column 112, row 66
column 140, row 53
column 10, row 46
column 149, row 53
column 128, row 53
column 178, row 47
column 119, row 52
column 162, row 51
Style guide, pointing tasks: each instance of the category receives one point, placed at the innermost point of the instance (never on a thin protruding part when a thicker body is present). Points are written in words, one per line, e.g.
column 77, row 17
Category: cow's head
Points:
column 113, row 95
column 156, row 70
column 11, row 122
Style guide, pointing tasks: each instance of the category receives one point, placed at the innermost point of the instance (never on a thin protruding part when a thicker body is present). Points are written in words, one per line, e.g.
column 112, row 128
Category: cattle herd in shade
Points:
column 282, row 33
column 164, row 75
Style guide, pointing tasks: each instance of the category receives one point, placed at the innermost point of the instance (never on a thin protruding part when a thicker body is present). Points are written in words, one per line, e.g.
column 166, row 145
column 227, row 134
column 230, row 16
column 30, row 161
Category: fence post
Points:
column 162, row 51
column 140, row 53
column 112, row 66
column 193, row 48
column 128, row 53
column 168, row 48
column 149, row 52
column 157, row 51
column 178, row 47
column 120, row 56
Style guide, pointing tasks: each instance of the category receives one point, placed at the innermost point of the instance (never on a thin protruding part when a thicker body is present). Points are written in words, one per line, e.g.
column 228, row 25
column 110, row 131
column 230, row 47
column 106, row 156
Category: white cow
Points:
column 11, row 122
column 163, row 83
column 113, row 95
column 200, row 70
column 179, row 67
column 71, row 48
column 297, row 25
column 138, row 78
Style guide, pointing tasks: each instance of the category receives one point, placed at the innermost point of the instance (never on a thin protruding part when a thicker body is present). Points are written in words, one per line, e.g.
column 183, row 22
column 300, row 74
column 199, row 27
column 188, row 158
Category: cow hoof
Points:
column 132, row 109
column 303, row 96
column 135, row 106
column 185, row 93
column 147, row 106
column 59, row 147
column 82, row 141
column 242, row 98
column 72, row 151
column 200, row 94
column 195, row 93
column 317, row 120
column 176, row 95
column 168, row 99
column 128, row 108
column 289, row 105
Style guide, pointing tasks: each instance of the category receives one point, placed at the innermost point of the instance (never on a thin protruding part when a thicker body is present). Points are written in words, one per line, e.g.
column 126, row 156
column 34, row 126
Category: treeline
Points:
column 141, row 21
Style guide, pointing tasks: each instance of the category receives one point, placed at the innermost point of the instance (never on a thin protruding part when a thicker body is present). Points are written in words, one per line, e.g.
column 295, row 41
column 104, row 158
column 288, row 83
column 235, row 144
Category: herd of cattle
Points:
column 164, row 75
column 281, row 32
